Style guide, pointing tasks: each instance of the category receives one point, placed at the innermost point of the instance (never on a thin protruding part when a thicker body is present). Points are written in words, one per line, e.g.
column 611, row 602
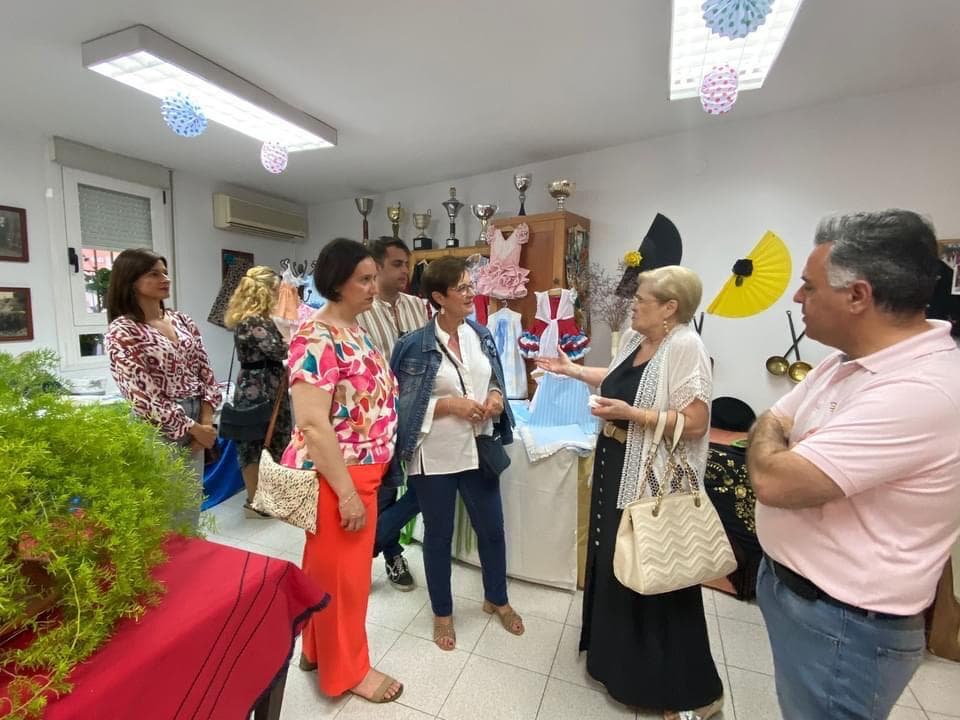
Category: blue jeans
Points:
column 392, row 515
column 831, row 662
column 481, row 496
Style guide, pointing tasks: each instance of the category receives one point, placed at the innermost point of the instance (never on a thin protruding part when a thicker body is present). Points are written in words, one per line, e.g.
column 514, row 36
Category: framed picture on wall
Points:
column 16, row 315
column 13, row 234
column 229, row 258
column 950, row 254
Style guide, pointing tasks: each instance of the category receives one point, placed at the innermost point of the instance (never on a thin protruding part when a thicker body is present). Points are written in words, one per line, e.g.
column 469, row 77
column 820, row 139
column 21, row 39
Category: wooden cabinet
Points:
column 545, row 254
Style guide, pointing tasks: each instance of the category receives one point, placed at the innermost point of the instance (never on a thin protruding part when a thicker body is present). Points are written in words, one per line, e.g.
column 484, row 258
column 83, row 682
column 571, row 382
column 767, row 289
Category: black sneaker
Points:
column 399, row 574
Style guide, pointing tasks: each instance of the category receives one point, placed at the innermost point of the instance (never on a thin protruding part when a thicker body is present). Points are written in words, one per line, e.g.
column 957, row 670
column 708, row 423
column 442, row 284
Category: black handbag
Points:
column 249, row 423
column 492, row 456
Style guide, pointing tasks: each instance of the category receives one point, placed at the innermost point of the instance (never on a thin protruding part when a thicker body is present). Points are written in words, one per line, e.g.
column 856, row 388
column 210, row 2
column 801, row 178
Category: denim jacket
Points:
column 415, row 361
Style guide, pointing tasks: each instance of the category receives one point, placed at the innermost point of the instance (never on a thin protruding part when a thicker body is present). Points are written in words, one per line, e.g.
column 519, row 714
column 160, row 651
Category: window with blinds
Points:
column 104, row 216
column 113, row 220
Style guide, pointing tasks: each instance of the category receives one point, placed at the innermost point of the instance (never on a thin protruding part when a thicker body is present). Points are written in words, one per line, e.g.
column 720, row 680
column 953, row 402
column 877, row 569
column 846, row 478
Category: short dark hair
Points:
column 893, row 250
column 441, row 275
column 378, row 248
column 128, row 267
column 335, row 264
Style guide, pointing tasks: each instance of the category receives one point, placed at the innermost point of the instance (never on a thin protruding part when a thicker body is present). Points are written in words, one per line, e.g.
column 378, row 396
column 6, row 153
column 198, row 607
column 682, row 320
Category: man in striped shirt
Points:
column 394, row 313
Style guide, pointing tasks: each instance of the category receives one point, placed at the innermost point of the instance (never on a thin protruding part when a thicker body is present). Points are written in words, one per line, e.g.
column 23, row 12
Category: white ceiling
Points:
column 426, row 90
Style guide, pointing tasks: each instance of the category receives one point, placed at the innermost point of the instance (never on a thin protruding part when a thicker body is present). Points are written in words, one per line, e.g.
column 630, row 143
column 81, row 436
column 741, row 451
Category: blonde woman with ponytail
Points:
column 261, row 352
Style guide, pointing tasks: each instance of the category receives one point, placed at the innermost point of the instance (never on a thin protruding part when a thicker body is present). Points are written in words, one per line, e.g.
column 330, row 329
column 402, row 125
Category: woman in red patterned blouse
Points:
column 156, row 355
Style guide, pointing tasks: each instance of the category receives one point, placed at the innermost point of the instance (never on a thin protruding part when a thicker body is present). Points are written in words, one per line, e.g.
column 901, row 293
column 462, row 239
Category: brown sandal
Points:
column 507, row 619
column 380, row 696
column 443, row 631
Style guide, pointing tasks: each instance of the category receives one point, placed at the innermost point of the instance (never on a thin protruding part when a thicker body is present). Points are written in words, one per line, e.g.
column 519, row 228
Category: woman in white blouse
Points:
column 451, row 381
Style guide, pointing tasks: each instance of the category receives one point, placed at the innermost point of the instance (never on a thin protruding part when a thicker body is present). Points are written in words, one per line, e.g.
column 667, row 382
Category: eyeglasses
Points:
column 465, row 288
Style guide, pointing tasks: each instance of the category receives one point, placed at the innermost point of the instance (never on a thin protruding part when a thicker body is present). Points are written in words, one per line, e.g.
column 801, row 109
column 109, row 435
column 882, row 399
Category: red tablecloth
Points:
column 221, row 635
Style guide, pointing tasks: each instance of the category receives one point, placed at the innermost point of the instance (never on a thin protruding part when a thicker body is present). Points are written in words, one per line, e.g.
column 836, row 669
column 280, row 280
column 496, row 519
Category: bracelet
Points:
column 347, row 499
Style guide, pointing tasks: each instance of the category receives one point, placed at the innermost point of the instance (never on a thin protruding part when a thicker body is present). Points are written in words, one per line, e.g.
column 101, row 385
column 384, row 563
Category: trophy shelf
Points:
column 464, row 252
column 544, row 254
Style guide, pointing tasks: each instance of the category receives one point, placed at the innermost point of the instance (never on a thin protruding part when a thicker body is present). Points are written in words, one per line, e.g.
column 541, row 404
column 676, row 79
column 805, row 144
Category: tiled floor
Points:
column 540, row 676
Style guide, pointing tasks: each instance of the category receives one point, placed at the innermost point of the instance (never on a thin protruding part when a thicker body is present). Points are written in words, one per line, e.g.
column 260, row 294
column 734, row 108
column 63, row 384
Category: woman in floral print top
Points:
column 261, row 352
column 344, row 402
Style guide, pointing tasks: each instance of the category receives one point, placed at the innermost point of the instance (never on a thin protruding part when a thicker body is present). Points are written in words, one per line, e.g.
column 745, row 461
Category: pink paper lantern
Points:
column 718, row 90
column 273, row 157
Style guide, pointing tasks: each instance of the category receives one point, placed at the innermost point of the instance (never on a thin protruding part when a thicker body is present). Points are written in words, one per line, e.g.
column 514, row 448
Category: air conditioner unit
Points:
column 230, row 213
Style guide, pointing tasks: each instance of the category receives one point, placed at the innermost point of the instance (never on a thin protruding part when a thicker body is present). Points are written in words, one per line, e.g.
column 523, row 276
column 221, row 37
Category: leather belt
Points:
column 802, row 587
column 612, row 430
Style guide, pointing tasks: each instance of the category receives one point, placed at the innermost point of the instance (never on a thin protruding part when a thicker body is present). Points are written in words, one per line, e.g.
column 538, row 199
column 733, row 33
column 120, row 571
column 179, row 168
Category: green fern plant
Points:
column 91, row 492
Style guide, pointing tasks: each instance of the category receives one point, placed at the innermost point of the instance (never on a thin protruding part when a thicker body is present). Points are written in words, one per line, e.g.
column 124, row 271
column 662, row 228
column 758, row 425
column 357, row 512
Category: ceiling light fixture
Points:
column 695, row 50
column 146, row 60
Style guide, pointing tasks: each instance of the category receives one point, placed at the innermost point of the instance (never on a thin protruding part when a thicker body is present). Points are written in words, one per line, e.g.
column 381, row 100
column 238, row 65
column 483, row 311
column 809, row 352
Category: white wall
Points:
column 197, row 246
column 25, row 174
column 23, row 159
column 724, row 187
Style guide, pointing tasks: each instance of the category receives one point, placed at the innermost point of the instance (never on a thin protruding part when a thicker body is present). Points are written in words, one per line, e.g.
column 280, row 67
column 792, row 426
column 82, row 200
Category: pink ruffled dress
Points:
column 502, row 277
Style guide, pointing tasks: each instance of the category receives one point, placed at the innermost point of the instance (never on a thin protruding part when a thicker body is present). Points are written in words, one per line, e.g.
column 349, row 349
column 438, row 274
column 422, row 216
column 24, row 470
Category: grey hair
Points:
column 895, row 251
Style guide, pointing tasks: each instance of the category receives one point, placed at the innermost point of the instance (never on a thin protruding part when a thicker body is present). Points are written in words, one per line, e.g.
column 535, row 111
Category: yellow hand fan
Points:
column 757, row 282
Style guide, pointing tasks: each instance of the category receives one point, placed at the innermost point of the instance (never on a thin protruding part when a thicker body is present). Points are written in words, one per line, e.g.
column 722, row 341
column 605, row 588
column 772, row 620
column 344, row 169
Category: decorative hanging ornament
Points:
column 735, row 19
column 273, row 157
column 182, row 115
column 718, row 90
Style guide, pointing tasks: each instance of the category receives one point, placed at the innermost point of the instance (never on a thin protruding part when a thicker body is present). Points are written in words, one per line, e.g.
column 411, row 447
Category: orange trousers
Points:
column 336, row 637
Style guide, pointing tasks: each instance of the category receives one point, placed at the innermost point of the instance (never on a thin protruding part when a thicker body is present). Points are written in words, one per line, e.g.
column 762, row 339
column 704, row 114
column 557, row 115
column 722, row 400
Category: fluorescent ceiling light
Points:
column 695, row 50
column 148, row 61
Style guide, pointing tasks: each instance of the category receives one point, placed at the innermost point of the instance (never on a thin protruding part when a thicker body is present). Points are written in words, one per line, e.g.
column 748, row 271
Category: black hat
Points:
column 659, row 248
column 729, row 413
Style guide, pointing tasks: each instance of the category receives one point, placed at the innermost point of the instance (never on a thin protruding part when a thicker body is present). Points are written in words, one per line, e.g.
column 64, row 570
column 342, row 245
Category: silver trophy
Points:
column 522, row 184
column 364, row 205
column 452, row 206
column 421, row 221
column 483, row 212
column 560, row 190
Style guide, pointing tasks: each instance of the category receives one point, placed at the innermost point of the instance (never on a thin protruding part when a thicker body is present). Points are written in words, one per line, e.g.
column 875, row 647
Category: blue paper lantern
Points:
column 182, row 115
column 735, row 19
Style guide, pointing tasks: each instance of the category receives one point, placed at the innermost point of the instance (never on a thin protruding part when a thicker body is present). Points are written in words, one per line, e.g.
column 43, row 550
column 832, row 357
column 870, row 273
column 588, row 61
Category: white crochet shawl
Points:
column 676, row 375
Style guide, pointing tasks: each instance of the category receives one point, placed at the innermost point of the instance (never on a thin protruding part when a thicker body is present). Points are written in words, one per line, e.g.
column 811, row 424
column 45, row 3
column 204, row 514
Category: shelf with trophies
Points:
column 553, row 238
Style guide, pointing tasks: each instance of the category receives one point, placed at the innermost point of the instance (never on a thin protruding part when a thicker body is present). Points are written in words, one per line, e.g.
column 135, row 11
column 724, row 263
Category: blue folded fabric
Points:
column 521, row 411
column 543, row 441
column 561, row 400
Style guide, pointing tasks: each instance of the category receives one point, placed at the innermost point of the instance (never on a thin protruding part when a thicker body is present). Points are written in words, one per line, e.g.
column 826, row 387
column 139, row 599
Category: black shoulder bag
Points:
column 249, row 423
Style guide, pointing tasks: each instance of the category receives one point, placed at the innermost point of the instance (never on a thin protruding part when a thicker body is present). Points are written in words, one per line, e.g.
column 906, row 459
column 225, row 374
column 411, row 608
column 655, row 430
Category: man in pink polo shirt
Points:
column 857, row 473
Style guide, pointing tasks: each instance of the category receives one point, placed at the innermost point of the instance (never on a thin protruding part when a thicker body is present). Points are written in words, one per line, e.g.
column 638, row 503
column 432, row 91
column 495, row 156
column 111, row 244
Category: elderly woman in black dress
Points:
column 650, row 651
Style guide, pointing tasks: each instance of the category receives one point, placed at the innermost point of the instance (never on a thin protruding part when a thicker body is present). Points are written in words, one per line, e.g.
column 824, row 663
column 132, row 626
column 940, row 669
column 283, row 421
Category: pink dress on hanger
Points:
column 502, row 277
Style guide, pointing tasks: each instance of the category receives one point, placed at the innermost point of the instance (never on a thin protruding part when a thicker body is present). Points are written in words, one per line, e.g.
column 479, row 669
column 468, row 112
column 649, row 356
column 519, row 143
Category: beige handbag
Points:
column 675, row 540
column 288, row 494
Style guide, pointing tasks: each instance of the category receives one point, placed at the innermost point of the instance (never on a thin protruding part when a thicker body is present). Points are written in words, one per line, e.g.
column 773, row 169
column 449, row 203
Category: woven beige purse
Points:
column 671, row 541
column 288, row 494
